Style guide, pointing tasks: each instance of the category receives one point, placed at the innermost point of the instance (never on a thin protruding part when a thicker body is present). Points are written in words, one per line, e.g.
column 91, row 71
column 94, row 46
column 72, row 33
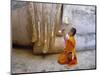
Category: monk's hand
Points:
column 63, row 31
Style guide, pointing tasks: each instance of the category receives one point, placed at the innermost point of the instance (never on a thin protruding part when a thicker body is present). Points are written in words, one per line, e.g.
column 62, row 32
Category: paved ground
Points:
column 23, row 61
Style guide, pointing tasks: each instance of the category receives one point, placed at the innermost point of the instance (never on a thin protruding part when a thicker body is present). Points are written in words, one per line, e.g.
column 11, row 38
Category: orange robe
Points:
column 70, row 47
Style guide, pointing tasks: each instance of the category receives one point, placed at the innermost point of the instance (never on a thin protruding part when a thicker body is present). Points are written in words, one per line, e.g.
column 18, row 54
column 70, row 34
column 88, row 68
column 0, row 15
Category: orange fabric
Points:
column 62, row 58
column 70, row 47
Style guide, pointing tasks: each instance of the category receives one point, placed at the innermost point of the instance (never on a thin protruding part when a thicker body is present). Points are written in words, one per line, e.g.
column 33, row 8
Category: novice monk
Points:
column 69, row 54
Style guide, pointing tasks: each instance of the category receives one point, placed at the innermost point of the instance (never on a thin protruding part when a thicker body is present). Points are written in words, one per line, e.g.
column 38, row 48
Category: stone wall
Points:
column 21, row 26
column 83, row 19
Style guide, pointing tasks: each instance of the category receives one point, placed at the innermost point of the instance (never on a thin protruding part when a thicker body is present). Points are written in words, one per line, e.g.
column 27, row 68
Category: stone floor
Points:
column 23, row 61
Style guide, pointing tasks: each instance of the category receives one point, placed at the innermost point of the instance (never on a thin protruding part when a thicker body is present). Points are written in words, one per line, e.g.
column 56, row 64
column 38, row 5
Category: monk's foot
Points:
column 70, row 66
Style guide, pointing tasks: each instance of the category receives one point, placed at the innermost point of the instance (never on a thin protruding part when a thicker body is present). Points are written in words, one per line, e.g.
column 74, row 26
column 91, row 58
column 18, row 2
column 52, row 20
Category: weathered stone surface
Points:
column 86, row 41
column 24, row 61
column 21, row 26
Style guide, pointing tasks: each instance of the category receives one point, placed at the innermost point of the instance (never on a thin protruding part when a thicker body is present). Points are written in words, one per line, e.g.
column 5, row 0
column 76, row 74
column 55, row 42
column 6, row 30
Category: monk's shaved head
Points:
column 73, row 30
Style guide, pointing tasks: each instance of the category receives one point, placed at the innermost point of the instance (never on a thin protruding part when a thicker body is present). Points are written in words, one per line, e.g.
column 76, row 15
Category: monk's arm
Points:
column 64, row 34
column 73, row 44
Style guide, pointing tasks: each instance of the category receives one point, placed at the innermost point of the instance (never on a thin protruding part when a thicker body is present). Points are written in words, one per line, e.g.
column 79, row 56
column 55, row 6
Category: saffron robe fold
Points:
column 69, row 52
